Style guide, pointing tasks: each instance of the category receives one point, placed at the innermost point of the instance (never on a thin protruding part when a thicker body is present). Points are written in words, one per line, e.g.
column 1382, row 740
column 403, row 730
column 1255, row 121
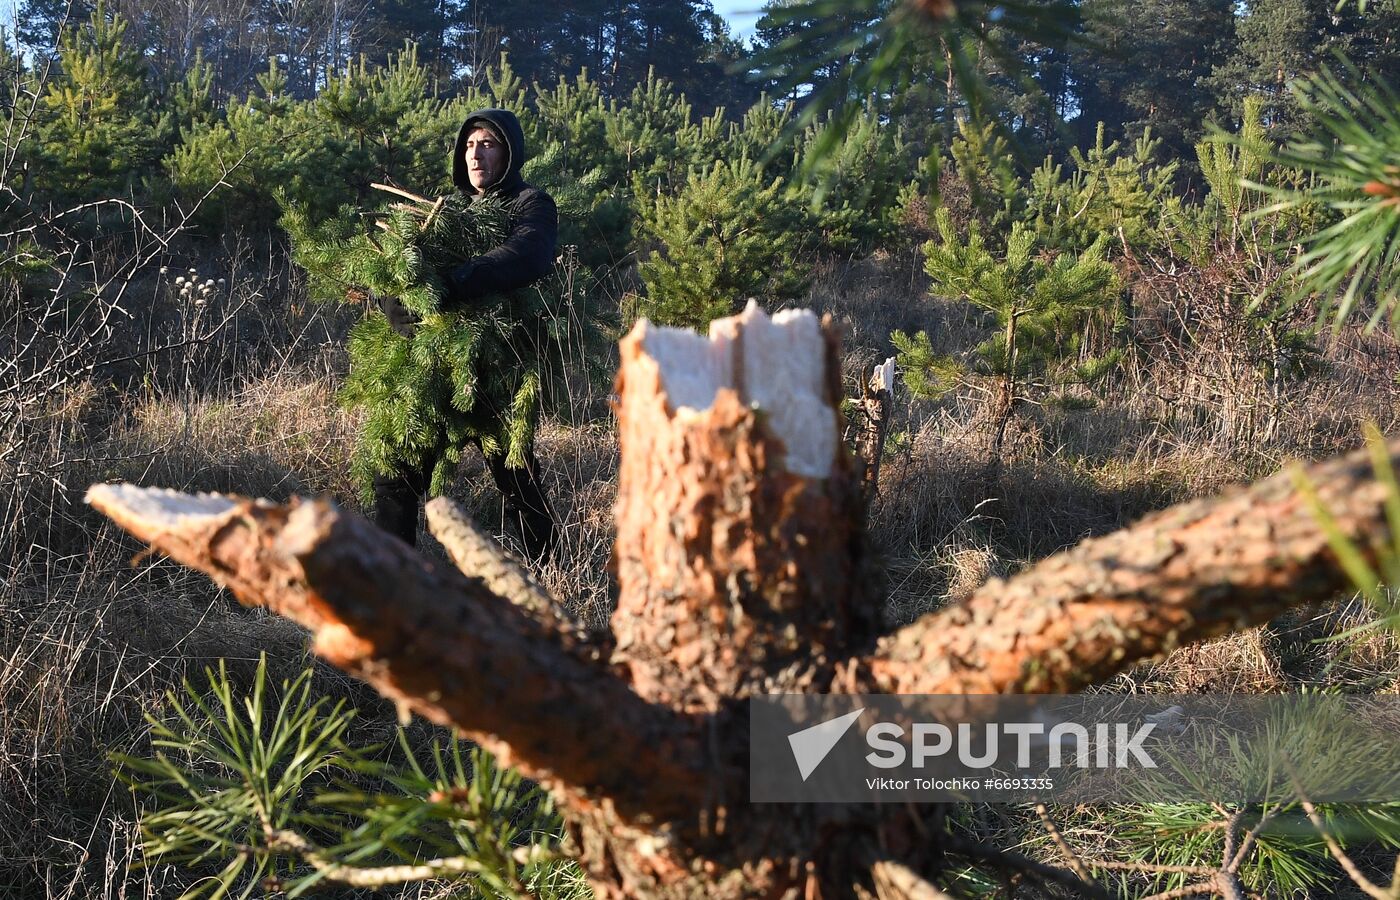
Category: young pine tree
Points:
column 96, row 132
column 765, row 133
column 729, row 234
column 186, row 103
column 573, row 114
column 708, row 140
column 509, row 91
column 1122, row 192
column 268, row 140
column 858, row 183
column 981, row 185
column 1246, row 246
column 646, row 132
column 594, row 215
column 392, row 128
column 1040, row 305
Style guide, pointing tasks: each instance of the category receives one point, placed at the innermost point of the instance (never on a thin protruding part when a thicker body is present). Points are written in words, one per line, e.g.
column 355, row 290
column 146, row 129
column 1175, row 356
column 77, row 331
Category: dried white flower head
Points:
column 164, row 269
column 180, row 280
column 221, row 282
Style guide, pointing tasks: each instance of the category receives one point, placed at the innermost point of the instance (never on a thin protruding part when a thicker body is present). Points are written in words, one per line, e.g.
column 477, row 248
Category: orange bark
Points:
column 736, row 574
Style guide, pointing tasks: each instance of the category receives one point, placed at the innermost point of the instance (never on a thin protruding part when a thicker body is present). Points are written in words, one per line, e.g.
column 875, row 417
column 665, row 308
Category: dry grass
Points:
column 88, row 643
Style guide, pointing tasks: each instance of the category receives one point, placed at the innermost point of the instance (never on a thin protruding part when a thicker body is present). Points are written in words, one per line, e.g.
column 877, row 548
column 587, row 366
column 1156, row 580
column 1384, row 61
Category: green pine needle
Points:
column 1353, row 161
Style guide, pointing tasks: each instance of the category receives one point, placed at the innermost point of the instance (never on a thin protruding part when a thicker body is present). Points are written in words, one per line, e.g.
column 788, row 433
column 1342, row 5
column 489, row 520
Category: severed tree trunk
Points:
column 739, row 542
column 742, row 566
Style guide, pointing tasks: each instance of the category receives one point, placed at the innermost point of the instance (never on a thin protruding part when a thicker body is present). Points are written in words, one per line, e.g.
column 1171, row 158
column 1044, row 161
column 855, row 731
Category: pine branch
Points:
column 477, row 555
column 1368, row 887
column 332, row 869
column 428, row 394
column 1350, row 158
column 1197, row 889
column 1075, row 863
column 444, row 646
column 1185, row 574
column 433, row 213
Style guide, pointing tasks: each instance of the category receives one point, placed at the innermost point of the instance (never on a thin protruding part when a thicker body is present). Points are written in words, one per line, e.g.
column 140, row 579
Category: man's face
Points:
column 485, row 157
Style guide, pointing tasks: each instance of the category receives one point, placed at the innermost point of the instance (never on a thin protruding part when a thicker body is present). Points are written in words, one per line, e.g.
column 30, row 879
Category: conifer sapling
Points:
column 465, row 375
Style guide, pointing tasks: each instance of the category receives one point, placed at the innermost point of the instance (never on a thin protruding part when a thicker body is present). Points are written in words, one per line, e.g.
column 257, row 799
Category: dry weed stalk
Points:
column 1222, row 881
column 874, row 409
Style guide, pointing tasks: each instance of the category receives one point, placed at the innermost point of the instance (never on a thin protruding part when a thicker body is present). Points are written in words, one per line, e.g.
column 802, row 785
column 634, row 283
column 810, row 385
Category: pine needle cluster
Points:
column 269, row 792
column 1353, row 262
column 466, row 375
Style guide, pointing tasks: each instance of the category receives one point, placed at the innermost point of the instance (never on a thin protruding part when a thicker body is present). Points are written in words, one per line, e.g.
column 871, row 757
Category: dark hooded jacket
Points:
column 527, row 253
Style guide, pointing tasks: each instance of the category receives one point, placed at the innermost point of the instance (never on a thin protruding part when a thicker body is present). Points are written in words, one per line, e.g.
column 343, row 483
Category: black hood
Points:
column 504, row 123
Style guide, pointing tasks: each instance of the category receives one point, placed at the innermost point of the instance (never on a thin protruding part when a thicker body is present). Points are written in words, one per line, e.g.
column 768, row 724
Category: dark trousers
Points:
column 398, row 496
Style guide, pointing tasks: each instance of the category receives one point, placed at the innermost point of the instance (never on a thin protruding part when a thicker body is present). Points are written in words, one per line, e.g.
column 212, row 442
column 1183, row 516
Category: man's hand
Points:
column 401, row 318
column 459, row 279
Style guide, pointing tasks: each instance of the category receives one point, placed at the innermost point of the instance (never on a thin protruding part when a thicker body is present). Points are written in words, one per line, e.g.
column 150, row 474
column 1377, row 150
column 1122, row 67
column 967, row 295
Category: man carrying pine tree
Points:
column 486, row 162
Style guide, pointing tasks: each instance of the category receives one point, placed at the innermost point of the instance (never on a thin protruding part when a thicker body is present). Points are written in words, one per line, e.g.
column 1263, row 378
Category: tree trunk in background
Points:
column 742, row 566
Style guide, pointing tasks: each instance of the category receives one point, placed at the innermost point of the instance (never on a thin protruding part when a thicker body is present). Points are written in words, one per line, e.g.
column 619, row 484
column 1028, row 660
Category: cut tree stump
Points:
column 739, row 528
column 743, row 569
